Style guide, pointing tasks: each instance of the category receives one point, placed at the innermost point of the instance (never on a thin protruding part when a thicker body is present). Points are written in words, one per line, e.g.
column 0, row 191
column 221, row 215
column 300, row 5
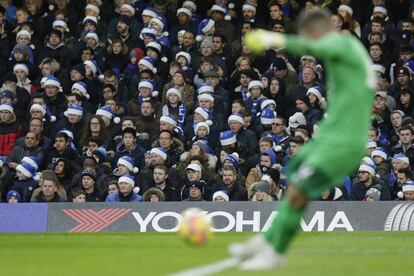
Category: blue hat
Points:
column 205, row 88
column 149, row 32
column 203, row 28
column 106, row 112
column 267, row 116
column 7, row 94
column 6, row 107
column 32, row 160
column 128, row 162
column 379, row 152
column 14, row 194
column 74, row 109
column 82, row 87
column 129, row 179
column 401, row 157
column 227, row 138
column 234, row 159
column 67, row 132
column 160, row 151
column 148, row 62
column 26, row 169
column 271, row 154
column 94, row 67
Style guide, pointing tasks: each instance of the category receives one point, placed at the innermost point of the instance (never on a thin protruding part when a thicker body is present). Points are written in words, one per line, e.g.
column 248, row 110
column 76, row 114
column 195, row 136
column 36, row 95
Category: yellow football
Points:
column 195, row 227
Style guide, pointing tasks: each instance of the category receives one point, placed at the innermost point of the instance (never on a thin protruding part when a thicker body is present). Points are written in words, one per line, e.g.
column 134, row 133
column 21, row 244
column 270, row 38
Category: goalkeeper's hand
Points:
column 261, row 40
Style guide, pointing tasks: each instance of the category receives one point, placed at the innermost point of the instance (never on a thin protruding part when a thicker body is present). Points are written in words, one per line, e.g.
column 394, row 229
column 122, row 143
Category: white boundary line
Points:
column 209, row 269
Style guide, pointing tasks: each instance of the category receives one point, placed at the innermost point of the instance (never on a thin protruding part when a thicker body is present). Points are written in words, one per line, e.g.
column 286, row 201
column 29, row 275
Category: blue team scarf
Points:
column 182, row 111
column 244, row 95
column 254, row 108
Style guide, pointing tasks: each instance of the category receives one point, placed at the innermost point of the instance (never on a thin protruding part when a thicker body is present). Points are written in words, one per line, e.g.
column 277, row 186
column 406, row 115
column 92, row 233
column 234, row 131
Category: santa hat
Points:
column 204, row 26
column 128, row 162
column 148, row 62
column 148, row 84
column 191, row 5
column 26, row 169
column 227, row 138
column 267, row 117
column 223, row 9
column 380, row 8
column 272, row 155
column 81, row 86
column 92, row 34
column 6, row 107
column 74, row 109
column 93, row 7
column 129, row 179
column 206, row 96
column 149, row 11
column 371, row 144
column 368, row 169
column 106, row 111
column 203, row 112
column 186, row 11
column 151, row 32
column 202, row 124
column 90, row 20
column 174, row 91
column 367, row 161
column 266, row 103
column 221, row 193
column 205, row 88
column 52, row 81
column 247, row 6
column 316, row 91
column 38, row 107
column 346, row 8
column 379, row 152
column 401, row 157
column 24, row 33
column 296, row 120
column 32, row 160
column 185, row 55
column 62, row 23
column 159, row 151
column 129, row 8
column 161, row 22
column 237, row 118
column 21, row 66
column 254, row 83
column 67, row 132
column 154, row 46
column 169, row 120
column 94, row 67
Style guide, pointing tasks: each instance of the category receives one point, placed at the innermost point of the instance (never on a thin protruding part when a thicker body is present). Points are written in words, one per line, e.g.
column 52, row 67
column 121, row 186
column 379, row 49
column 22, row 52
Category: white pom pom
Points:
column 53, row 118
column 248, row 95
column 165, row 33
column 117, row 120
column 209, row 122
column 154, row 94
column 101, row 77
column 235, row 154
column 154, row 70
column 87, row 96
column 231, row 6
column 199, row 38
column 64, row 113
column 36, row 177
column 136, row 190
column 51, row 7
column 227, row 17
column 164, row 59
column 277, row 148
column 135, row 170
column 400, row 195
column 267, row 178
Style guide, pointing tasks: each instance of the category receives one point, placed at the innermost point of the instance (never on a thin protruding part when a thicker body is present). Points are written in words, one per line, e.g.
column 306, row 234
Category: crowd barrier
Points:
column 227, row 217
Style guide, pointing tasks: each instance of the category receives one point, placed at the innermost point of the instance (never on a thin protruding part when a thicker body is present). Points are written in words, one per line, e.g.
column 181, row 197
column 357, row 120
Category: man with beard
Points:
column 229, row 183
column 147, row 124
column 161, row 181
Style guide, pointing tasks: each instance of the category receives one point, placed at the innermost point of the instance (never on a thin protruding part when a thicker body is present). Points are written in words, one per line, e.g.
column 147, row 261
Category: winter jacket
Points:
column 9, row 132
column 137, row 153
column 117, row 197
column 359, row 190
column 25, row 188
column 235, row 192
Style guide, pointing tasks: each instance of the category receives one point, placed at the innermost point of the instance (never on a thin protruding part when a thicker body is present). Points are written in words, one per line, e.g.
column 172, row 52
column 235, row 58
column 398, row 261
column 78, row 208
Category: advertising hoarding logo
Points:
column 91, row 221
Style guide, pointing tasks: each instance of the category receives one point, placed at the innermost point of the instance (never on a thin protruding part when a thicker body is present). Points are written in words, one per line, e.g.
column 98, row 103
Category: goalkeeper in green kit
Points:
column 340, row 144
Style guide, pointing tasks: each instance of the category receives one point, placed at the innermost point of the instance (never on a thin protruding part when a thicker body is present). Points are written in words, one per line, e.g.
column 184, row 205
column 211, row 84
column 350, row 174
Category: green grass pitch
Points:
column 334, row 253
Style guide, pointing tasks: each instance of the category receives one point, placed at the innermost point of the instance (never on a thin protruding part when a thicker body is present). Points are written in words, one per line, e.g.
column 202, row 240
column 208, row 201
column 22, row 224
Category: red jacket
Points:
column 9, row 132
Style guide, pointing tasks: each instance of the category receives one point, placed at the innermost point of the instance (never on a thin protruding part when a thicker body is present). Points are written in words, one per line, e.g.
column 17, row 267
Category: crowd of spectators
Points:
column 161, row 100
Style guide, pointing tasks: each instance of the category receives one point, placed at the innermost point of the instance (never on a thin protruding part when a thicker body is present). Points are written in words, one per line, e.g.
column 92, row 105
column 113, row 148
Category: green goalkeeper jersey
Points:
column 340, row 142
